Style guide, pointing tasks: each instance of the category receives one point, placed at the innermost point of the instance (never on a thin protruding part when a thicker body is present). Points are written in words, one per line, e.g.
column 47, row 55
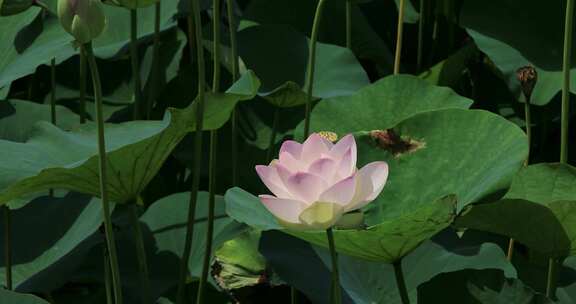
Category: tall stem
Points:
column 103, row 168
column 349, row 24
column 135, row 62
column 213, row 156
column 210, row 228
column 194, row 30
column 312, row 65
column 108, row 288
column 399, row 37
column 566, row 79
column 8, row 246
column 275, row 123
column 82, row 85
column 528, row 120
column 234, row 47
column 141, row 254
column 553, row 263
column 53, row 91
column 400, row 283
column 52, row 102
column 552, row 278
column 420, row 36
column 155, row 60
column 335, row 294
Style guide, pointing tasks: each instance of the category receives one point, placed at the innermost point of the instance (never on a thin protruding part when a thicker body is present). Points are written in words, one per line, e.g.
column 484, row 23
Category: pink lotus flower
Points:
column 316, row 182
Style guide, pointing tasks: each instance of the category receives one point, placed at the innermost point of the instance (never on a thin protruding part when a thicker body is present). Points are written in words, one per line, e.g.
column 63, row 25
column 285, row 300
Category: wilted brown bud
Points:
column 527, row 76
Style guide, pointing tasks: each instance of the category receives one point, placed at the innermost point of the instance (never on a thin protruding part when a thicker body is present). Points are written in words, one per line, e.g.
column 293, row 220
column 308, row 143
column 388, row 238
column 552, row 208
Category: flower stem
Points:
column 400, row 283
column 194, row 31
column 566, row 63
column 312, row 65
column 349, row 24
column 552, row 278
column 335, row 295
column 141, row 254
column 103, row 166
column 566, row 80
column 210, row 228
column 293, row 295
column 82, row 85
column 53, row 91
column 234, row 47
column 213, row 156
column 52, row 102
column 155, row 60
column 420, row 36
column 399, row 37
column 275, row 123
column 135, row 62
column 108, row 288
column 8, row 246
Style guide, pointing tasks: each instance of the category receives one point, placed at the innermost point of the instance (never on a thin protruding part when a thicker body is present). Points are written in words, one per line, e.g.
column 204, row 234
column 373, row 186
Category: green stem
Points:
column 155, row 60
column 399, row 33
column 194, row 31
column 420, row 36
column 8, row 246
column 312, row 65
column 566, row 79
column 528, row 120
column 210, row 228
column 213, row 157
column 53, row 91
column 335, row 295
column 108, row 288
column 270, row 152
column 552, row 278
column 103, row 166
column 52, row 102
column 141, row 254
column 400, row 283
column 293, row 295
column 135, row 62
column 82, row 86
column 349, row 24
column 234, row 47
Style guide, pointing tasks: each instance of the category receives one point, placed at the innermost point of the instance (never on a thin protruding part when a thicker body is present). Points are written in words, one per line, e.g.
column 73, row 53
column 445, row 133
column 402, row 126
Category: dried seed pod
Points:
column 527, row 76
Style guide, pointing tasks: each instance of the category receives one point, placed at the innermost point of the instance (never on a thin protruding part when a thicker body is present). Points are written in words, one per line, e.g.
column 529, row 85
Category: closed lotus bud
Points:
column 83, row 19
column 317, row 182
column 13, row 7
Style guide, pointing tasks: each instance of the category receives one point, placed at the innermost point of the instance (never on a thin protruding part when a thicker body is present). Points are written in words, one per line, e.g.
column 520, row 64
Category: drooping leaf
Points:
column 50, row 163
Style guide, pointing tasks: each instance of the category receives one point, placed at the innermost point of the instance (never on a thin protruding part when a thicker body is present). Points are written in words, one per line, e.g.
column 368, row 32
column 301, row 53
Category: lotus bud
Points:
column 13, row 7
column 83, row 19
column 317, row 182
